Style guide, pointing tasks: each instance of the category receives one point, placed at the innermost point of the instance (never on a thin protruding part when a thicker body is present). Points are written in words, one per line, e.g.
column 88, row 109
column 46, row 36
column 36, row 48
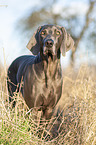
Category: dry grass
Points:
column 73, row 121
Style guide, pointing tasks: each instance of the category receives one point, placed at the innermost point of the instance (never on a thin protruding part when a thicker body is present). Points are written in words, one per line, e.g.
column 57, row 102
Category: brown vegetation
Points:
column 73, row 121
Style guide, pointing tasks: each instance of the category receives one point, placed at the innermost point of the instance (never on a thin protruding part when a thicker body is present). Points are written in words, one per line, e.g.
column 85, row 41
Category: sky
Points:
column 13, row 10
column 10, row 12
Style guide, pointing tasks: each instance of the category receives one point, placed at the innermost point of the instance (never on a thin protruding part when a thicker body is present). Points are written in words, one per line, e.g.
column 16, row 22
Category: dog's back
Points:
column 14, row 73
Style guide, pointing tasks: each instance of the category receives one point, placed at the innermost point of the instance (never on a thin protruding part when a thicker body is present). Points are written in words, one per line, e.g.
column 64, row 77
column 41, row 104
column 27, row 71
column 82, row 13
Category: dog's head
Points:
column 51, row 40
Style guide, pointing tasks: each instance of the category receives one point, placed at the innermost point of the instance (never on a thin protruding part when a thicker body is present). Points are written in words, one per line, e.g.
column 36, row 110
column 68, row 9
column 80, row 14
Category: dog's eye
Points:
column 43, row 32
column 57, row 33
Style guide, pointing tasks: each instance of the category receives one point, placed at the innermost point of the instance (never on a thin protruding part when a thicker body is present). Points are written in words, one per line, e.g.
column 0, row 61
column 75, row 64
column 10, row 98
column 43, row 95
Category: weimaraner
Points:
column 40, row 73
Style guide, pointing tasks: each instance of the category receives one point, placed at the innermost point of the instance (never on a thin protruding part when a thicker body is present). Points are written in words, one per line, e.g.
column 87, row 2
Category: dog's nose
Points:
column 49, row 43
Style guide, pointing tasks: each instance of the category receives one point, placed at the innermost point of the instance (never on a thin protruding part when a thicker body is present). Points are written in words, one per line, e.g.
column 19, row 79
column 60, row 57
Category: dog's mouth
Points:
column 50, row 55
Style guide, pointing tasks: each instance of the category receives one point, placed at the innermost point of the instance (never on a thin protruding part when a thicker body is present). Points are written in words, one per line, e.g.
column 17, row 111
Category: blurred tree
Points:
column 75, row 23
column 88, row 21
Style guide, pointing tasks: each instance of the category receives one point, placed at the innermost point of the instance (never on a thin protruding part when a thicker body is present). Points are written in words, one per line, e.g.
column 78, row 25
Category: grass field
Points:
column 73, row 121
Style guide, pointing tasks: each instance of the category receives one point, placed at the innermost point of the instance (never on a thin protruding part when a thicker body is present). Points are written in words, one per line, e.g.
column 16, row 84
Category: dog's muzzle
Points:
column 48, row 47
column 49, row 43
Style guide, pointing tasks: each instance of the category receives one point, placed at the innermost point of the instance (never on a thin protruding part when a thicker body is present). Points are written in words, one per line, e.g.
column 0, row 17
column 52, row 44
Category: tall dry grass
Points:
column 73, row 121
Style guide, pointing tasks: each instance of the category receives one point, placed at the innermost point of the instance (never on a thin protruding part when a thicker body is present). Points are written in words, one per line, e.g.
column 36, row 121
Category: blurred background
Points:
column 19, row 19
column 75, row 120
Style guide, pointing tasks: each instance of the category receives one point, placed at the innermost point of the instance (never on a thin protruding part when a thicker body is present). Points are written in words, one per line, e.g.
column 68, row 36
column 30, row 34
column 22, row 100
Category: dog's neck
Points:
column 49, row 66
column 47, row 61
column 47, row 70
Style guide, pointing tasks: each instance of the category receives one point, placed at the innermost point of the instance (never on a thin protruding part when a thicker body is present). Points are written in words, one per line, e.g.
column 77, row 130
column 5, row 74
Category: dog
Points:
column 40, row 74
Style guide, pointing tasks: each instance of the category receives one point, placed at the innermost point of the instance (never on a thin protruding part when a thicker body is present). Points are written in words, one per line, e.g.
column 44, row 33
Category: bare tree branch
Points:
column 87, row 22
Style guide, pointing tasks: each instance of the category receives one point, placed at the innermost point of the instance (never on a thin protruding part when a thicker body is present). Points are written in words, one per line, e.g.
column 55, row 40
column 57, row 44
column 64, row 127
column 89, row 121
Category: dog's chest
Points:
column 49, row 82
column 43, row 87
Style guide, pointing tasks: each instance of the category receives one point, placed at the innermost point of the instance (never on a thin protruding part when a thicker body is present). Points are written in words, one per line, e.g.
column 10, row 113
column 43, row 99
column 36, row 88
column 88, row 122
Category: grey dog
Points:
column 41, row 72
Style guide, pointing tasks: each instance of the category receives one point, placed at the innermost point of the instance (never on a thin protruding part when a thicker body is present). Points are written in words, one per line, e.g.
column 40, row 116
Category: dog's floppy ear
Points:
column 33, row 45
column 67, row 42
